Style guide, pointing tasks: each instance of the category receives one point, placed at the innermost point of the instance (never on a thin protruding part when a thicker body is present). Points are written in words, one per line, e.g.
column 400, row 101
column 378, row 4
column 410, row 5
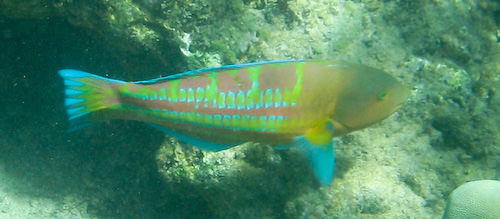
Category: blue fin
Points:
column 193, row 72
column 205, row 145
column 70, row 75
column 321, row 158
column 85, row 94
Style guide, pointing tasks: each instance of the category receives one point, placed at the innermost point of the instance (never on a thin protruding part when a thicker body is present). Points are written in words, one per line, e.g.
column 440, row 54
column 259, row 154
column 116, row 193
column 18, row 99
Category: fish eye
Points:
column 382, row 94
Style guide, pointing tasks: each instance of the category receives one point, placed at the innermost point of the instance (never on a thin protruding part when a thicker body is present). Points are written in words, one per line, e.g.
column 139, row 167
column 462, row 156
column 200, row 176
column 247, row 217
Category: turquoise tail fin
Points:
column 321, row 158
column 86, row 93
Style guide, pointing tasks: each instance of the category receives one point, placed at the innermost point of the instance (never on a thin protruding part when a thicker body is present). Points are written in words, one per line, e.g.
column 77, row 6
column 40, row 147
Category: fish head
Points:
column 368, row 97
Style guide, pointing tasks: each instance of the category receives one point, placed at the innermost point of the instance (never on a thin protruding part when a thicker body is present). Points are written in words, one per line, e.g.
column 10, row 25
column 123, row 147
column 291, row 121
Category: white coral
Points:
column 476, row 199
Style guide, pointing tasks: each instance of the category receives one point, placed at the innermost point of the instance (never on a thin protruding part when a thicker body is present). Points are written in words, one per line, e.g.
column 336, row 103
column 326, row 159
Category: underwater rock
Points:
column 446, row 51
column 476, row 199
column 391, row 170
column 459, row 31
column 253, row 179
column 27, row 9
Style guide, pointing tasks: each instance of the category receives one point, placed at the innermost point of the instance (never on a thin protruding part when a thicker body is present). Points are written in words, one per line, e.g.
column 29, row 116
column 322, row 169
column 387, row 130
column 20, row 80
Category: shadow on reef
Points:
column 110, row 166
column 472, row 129
column 247, row 181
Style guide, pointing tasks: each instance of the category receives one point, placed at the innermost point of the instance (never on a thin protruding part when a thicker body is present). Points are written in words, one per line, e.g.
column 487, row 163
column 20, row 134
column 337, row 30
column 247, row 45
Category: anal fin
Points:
column 199, row 143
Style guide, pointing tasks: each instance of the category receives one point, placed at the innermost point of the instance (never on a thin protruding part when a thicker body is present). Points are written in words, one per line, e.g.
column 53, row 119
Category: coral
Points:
column 446, row 51
column 476, row 199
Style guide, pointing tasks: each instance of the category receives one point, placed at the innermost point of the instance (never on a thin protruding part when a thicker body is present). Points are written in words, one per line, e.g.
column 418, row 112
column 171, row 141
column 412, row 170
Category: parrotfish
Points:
column 285, row 103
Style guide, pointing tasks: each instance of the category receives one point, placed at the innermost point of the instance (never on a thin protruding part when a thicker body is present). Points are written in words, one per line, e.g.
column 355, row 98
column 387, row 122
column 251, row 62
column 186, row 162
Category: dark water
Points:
column 110, row 166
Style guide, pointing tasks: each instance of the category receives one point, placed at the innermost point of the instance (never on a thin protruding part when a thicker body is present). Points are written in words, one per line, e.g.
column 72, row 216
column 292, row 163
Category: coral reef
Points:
column 253, row 179
column 447, row 51
column 476, row 199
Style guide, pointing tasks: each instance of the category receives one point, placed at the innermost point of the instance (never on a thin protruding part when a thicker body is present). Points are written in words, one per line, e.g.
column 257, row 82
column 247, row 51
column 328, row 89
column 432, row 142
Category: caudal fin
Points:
column 86, row 93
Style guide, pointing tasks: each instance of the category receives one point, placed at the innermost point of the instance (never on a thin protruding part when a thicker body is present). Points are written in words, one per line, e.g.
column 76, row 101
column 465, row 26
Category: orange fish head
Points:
column 371, row 96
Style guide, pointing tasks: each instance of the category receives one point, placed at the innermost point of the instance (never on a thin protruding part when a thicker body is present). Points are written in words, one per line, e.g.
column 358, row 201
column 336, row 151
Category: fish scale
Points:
column 226, row 96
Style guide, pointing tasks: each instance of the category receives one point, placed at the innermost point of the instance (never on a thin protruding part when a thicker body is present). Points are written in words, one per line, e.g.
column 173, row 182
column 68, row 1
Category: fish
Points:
column 285, row 103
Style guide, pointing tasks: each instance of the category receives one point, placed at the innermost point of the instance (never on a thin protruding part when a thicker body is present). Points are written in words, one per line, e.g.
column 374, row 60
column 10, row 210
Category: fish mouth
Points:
column 399, row 106
column 403, row 101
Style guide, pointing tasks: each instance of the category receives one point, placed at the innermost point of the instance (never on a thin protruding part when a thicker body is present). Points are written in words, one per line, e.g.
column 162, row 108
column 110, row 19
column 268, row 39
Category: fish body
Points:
column 284, row 103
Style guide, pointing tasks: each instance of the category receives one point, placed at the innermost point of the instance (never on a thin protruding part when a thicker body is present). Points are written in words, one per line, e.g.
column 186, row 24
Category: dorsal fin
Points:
column 198, row 71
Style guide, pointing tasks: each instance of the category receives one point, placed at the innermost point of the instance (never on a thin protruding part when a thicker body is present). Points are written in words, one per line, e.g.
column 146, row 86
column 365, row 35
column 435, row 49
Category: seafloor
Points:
column 446, row 51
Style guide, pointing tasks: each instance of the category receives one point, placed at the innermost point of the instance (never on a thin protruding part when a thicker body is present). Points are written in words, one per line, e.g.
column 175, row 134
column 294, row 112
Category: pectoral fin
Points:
column 321, row 158
column 317, row 146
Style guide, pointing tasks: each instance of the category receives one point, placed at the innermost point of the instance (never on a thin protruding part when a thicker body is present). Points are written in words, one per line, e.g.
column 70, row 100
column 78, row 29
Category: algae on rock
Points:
column 253, row 179
column 446, row 51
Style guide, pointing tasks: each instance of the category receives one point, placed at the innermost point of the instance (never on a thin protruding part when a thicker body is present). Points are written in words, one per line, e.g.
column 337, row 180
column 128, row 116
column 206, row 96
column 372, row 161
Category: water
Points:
column 446, row 52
